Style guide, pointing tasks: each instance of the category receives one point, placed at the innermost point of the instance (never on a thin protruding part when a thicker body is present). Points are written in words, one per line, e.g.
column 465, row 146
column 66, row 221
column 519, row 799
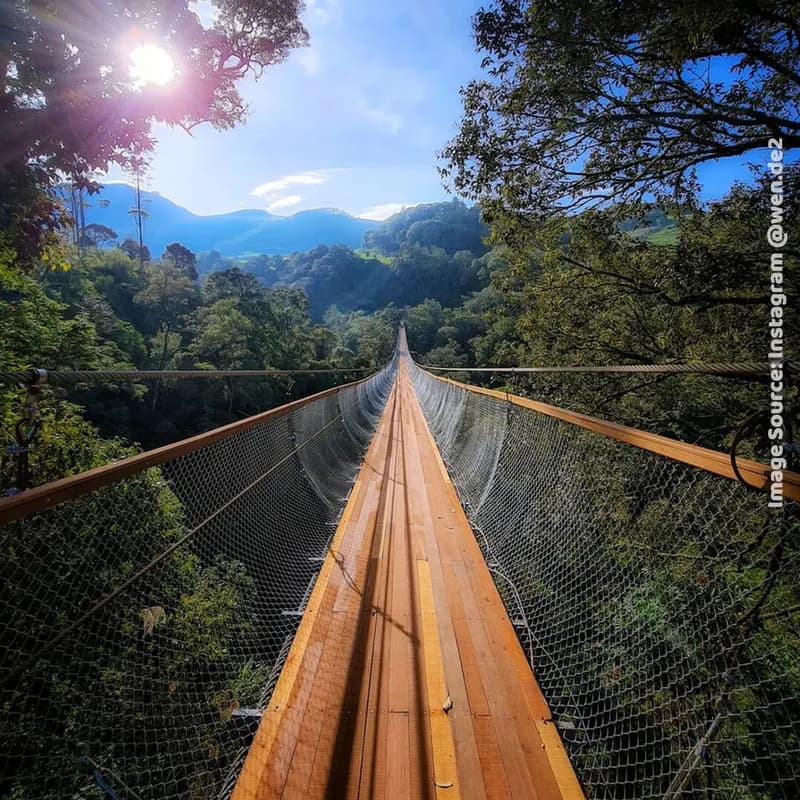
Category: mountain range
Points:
column 237, row 233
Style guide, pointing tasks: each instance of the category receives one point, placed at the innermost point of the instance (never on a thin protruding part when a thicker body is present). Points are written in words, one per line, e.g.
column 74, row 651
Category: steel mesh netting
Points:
column 145, row 623
column 658, row 603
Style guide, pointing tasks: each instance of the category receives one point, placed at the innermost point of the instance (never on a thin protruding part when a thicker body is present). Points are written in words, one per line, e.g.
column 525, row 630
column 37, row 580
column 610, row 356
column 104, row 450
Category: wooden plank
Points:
column 323, row 699
column 504, row 705
column 265, row 766
column 429, row 514
column 398, row 773
column 497, row 787
column 365, row 774
column 445, row 775
column 409, row 615
column 498, row 649
column 343, row 654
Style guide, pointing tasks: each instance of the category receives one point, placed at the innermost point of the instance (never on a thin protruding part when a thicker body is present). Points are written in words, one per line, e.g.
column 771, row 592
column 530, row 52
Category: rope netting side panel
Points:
column 659, row 603
column 145, row 622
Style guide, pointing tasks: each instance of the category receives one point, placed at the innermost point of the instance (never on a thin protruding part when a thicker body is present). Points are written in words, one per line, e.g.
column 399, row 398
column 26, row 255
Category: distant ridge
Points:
column 234, row 234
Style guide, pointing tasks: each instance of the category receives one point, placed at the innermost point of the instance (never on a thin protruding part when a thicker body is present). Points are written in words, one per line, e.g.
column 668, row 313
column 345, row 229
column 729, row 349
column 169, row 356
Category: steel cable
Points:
column 745, row 368
column 31, row 377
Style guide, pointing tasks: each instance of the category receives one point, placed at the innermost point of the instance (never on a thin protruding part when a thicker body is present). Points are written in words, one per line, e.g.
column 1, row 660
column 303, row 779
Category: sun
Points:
column 151, row 64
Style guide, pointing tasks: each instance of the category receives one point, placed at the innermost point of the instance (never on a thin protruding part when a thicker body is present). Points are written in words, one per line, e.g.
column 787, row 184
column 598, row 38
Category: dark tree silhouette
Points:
column 66, row 94
column 183, row 258
column 621, row 99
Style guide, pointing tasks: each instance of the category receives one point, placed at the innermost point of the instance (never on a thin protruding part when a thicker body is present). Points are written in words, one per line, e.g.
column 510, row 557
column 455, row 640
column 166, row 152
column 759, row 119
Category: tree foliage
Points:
column 622, row 99
column 450, row 226
column 431, row 251
column 132, row 249
column 579, row 290
column 183, row 258
column 96, row 235
column 69, row 100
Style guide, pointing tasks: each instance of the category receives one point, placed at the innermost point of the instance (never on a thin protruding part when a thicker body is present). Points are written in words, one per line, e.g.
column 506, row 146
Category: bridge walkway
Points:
column 406, row 678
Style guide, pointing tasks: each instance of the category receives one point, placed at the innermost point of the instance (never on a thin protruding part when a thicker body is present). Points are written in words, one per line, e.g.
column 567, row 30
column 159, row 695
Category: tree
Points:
column 450, row 226
column 266, row 268
column 372, row 338
column 68, row 98
column 237, row 328
column 169, row 295
column 234, row 282
column 35, row 332
column 448, row 355
column 31, row 220
column 212, row 261
column 136, row 680
column 422, row 322
column 224, row 337
column 96, row 235
column 133, row 251
column 428, row 272
column 69, row 104
column 598, row 296
column 336, row 276
column 621, row 98
column 291, row 315
column 183, row 258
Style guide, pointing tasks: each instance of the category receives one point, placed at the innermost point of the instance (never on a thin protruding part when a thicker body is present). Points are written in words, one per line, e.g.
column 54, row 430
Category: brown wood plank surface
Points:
column 406, row 679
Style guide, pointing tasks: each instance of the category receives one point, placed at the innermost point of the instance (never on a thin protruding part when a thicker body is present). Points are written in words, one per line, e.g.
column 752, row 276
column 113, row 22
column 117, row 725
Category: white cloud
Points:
column 310, row 61
column 273, row 193
column 383, row 211
column 309, row 178
column 382, row 118
column 321, row 13
column 284, row 202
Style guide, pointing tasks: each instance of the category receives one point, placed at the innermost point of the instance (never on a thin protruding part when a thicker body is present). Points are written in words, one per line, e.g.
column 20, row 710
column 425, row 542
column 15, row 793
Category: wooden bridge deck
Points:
column 406, row 679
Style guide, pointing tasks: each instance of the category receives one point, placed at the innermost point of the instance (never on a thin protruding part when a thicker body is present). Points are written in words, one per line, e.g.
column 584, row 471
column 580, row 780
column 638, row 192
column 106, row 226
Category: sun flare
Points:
column 151, row 64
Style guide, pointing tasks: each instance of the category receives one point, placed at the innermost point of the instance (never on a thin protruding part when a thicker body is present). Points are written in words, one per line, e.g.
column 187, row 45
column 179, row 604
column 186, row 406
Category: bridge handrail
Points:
column 756, row 474
column 54, row 493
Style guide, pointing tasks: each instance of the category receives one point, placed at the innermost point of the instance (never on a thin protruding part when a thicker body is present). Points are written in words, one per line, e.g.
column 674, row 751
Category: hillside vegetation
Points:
column 434, row 251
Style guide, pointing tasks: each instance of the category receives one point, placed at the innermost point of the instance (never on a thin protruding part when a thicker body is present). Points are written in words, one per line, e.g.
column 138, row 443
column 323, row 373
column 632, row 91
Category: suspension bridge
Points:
column 404, row 587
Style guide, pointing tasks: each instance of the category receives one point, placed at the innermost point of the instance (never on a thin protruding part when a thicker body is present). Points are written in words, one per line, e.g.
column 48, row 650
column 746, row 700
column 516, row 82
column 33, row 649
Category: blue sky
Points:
column 353, row 121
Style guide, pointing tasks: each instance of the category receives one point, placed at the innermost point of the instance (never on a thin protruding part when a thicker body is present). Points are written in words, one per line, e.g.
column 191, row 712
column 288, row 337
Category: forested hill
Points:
column 432, row 251
column 233, row 234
